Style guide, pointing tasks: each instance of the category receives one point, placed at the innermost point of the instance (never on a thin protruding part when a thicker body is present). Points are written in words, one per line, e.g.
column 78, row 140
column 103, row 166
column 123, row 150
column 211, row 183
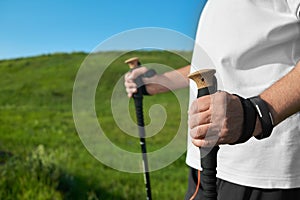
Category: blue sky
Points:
column 34, row 27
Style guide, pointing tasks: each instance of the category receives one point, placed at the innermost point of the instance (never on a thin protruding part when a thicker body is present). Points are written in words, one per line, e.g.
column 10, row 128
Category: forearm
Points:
column 171, row 80
column 283, row 96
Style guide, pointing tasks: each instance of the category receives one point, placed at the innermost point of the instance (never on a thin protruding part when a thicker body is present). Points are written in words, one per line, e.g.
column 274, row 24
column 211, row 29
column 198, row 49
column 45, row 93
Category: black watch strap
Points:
column 264, row 115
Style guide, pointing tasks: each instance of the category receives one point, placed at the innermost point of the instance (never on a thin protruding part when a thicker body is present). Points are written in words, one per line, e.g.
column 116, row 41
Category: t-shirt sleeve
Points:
column 296, row 51
column 297, row 44
column 298, row 12
column 295, row 7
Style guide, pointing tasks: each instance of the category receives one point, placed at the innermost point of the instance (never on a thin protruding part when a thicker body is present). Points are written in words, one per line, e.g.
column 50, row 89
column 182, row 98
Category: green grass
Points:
column 41, row 154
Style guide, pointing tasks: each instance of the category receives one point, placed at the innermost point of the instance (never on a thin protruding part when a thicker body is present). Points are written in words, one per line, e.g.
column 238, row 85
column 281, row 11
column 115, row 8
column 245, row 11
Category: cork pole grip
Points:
column 203, row 78
column 133, row 62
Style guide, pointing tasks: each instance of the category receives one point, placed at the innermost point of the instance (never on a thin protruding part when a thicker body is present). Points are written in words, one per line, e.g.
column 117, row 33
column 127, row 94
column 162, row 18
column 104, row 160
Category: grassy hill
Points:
column 41, row 154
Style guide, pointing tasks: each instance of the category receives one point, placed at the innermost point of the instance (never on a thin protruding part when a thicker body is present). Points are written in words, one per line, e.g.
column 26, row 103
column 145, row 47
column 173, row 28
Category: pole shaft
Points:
column 138, row 101
column 208, row 163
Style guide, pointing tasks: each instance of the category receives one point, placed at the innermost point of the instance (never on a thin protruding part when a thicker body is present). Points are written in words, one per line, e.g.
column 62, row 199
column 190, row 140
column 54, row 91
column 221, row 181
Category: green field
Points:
column 41, row 154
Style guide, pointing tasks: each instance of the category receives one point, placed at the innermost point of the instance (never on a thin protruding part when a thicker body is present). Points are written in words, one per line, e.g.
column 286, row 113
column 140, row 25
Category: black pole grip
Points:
column 208, row 162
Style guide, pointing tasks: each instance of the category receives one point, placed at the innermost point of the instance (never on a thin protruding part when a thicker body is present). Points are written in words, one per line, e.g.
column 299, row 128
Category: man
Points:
column 255, row 46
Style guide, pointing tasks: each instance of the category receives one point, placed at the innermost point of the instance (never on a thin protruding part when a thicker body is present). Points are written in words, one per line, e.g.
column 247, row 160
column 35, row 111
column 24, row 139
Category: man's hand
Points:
column 129, row 83
column 216, row 119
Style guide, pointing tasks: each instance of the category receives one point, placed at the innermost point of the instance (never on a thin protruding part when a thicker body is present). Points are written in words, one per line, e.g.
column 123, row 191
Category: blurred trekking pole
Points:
column 134, row 63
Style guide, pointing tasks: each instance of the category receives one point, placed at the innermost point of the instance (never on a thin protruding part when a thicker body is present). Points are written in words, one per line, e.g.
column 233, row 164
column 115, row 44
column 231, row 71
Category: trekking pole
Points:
column 138, row 101
column 206, row 84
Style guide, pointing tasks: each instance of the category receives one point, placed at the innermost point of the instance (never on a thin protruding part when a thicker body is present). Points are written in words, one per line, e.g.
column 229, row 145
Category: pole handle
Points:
column 207, row 84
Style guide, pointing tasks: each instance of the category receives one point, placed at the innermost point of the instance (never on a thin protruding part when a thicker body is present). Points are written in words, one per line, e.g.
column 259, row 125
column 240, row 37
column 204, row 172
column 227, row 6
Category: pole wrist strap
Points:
column 140, row 83
column 249, row 120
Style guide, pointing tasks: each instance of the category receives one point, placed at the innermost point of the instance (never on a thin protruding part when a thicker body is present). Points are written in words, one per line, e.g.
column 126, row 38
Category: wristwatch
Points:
column 264, row 115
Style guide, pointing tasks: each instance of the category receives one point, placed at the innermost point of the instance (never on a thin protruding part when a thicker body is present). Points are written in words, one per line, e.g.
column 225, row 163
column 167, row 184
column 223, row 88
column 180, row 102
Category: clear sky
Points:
column 33, row 27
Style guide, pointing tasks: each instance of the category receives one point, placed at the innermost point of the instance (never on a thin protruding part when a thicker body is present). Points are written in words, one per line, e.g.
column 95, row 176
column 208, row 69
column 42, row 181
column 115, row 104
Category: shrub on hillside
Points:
column 34, row 177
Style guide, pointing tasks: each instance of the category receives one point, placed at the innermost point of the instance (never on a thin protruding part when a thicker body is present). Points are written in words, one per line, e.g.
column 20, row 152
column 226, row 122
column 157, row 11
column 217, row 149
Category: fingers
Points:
column 136, row 72
column 199, row 112
column 205, row 143
column 206, row 135
column 131, row 89
column 201, row 104
column 196, row 119
column 129, row 83
column 202, row 131
column 199, row 132
column 205, row 120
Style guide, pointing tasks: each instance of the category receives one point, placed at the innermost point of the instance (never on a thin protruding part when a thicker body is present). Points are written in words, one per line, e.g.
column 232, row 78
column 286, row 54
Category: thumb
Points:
column 137, row 72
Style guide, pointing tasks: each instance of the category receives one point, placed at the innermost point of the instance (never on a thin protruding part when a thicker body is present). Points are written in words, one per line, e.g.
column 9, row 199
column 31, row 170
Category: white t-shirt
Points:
column 252, row 44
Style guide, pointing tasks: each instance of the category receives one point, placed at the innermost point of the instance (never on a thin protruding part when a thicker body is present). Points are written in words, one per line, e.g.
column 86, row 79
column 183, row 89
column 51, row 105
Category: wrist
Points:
column 150, row 86
column 156, row 84
column 143, row 81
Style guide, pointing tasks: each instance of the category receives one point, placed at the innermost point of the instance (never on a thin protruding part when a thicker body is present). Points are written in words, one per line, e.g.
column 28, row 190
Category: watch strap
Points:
column 264, row 115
